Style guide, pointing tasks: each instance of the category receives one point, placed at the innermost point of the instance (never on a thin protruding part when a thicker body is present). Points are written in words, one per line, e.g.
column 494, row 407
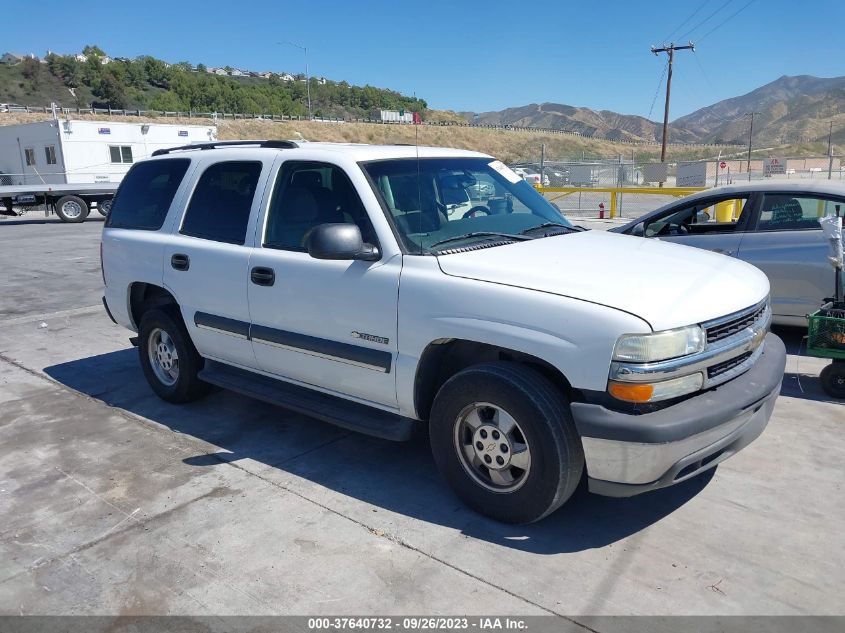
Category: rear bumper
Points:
column 629, row 454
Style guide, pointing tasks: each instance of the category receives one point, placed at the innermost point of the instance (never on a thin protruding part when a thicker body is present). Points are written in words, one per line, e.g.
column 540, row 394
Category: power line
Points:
column 657, row 90
column 704, row 21
column 685, row 22
column 704, row 73
column 728, row 19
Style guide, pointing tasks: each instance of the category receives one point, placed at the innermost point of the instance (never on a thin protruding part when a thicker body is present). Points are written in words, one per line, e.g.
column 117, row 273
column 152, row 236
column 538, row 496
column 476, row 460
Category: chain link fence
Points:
column 589, row 175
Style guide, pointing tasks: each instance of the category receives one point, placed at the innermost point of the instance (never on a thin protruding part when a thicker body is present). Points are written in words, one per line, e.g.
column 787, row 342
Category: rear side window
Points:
column 785, row 212
column 146, row 193
column 219, row 209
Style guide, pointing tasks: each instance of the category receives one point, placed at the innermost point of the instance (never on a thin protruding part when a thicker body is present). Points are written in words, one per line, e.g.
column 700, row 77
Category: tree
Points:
column 202, row 68
column 70, row 71
column 113, row 92
column 93, row 50
column 31, row 69
column 157, row 73
column 135, row 75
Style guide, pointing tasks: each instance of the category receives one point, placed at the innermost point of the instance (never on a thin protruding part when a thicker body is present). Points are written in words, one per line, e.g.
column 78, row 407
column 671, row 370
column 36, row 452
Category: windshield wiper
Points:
column 511, row 236
column 557, row 225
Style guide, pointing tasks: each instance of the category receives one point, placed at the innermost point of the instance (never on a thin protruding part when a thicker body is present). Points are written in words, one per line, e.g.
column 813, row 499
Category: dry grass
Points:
column 509, row 146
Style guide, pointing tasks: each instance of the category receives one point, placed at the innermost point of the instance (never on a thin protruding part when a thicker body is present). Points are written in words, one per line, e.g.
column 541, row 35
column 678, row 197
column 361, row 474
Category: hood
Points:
column 667, row 285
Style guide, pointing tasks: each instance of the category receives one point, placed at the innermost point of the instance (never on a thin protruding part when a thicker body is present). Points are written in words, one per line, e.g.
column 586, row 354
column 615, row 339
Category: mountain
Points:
column 792, row 110
column 602, row 124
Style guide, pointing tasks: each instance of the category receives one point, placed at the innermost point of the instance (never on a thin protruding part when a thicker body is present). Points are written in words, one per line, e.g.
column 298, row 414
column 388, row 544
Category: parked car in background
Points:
column 773, row 225
column 532, row 176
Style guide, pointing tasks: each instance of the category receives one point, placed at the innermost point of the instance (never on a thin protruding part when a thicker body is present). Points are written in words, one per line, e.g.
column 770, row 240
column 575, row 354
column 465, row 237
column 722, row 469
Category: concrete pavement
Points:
column 114, row 502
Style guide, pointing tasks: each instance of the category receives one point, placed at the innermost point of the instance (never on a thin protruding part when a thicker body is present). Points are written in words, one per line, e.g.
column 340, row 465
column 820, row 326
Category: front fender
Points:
column 575, row 337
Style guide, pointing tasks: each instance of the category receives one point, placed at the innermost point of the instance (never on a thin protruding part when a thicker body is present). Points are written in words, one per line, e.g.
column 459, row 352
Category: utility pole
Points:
column 750, row 132
column 830, row 152
column 671, row 51
column 543, row 165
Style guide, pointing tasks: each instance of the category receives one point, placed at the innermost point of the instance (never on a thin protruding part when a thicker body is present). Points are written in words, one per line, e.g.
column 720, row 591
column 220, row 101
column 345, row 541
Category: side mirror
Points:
column 638, row 229
column 702, row 217
column 340, row 241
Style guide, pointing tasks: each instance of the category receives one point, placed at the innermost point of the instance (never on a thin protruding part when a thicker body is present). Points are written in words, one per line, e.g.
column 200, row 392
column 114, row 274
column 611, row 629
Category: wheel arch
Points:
column 443, row 358
column 145, row 296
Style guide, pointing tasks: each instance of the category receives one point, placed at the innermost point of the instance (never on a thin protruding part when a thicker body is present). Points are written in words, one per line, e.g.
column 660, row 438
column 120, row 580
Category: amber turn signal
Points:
column 630, row 392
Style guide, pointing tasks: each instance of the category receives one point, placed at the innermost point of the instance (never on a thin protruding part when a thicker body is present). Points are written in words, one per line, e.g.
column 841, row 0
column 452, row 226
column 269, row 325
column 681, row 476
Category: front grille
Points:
column 721, row 331
column 727, row 365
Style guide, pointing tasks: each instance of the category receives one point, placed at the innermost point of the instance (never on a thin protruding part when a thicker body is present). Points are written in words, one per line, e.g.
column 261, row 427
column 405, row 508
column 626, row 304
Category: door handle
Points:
column 180, row 262
column 262, row 276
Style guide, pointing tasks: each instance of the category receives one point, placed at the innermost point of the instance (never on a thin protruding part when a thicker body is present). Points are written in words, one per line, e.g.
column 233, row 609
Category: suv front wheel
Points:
column 504, row 439
column 168, row 357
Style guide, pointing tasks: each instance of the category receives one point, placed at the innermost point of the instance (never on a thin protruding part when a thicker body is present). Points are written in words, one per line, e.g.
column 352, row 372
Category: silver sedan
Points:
column 773, row 225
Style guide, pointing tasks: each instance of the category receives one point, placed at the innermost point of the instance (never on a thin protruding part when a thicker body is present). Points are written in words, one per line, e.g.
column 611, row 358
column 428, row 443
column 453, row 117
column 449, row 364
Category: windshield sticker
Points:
column 506, row 171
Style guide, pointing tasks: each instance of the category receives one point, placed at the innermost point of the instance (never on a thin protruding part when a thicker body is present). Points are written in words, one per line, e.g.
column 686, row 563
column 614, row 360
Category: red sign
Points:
column 722, row 165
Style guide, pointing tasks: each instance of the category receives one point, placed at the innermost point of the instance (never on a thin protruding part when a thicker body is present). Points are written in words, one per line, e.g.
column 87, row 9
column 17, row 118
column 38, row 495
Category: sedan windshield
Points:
column 439, row 204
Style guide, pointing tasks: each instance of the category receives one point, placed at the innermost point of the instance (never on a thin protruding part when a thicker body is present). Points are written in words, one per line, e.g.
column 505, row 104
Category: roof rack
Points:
column 272, row 144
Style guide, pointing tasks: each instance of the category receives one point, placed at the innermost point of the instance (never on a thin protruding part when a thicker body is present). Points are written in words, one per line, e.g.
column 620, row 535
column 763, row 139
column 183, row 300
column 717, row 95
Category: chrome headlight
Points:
column 663, row 345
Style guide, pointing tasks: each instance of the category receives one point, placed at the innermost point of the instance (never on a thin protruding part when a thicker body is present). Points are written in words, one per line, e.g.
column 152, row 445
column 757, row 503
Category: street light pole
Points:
column 307, row 76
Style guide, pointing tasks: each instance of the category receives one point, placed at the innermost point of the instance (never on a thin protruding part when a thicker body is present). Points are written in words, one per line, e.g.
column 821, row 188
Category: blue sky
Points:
column 468, row 55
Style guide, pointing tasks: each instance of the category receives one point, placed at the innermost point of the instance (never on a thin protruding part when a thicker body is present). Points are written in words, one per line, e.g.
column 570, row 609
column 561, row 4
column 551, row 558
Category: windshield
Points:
column 435, row 201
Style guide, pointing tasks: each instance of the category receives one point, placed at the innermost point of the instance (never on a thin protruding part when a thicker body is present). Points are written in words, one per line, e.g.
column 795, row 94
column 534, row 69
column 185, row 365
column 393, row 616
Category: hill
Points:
column 508, row 145
column 147, row 83
column 602, row 124
column 792, row 110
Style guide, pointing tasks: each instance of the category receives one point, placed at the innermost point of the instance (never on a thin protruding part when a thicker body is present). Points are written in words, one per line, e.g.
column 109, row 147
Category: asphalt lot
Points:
column 114, row 502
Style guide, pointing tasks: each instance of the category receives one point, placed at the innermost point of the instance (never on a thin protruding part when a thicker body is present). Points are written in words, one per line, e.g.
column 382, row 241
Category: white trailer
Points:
column 394, row 116
column 70, row 166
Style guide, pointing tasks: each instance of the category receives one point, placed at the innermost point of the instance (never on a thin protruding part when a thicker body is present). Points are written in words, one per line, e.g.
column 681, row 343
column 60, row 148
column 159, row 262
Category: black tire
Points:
column 544, row 421
column 104, row 207
column 72, row 209
column 186, row 386
column 833, row 380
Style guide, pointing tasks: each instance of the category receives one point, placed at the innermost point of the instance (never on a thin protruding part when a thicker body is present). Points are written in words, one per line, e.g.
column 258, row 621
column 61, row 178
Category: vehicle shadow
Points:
column 397, row 477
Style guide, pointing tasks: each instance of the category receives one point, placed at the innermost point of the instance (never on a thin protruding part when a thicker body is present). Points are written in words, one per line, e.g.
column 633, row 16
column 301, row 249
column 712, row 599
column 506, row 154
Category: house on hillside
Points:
column 82, row 57
column 265, row 75
column 11, row 59
column 287, row 77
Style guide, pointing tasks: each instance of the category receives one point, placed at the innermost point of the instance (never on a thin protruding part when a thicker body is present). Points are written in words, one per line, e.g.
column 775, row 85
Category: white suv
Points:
column 333, row 280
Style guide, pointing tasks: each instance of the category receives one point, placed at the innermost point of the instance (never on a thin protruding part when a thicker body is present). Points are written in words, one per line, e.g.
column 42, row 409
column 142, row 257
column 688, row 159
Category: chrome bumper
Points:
column 629, row 454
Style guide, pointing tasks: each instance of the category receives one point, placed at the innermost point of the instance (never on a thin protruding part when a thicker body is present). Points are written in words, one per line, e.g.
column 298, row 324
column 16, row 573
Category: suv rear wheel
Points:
column 168, row 357
column 504, row 439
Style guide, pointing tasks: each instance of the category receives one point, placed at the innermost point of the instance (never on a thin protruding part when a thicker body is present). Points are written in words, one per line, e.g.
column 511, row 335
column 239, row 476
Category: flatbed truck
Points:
column 70, row 202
